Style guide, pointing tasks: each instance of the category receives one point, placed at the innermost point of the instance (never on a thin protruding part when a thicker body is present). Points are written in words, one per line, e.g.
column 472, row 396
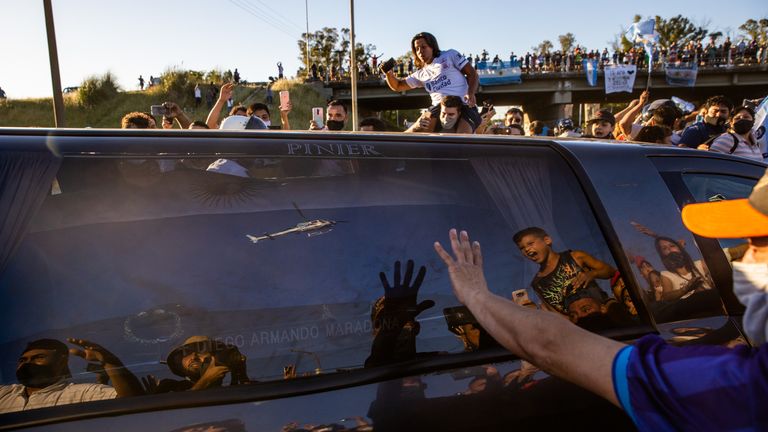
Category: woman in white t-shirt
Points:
column 739, row 140
column 441, row 73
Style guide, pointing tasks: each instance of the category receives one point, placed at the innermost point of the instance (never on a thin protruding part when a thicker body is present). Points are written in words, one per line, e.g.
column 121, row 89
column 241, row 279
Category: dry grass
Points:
column 39, row 112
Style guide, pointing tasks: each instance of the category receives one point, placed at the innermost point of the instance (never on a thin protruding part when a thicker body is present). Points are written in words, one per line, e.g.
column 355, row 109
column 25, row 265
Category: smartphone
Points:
column 317, row 116
column 521, row 297
column 388, row 65
column 284, row 98
column 487, row 106
column 158, row 110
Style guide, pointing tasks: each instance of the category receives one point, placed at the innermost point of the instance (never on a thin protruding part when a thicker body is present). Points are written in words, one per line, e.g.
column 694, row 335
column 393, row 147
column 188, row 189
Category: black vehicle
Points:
column 271, row 244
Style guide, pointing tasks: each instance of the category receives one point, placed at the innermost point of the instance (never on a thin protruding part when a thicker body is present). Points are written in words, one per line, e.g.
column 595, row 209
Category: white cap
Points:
column 228, row 167
column 239, row 122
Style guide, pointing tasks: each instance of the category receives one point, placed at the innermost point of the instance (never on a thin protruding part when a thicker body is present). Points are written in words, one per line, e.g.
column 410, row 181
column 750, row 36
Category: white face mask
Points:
column 750, row 284
column 268, row 123
column 448, row 123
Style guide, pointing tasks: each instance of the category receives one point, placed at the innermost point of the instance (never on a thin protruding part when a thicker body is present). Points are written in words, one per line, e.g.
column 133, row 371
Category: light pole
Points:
column 53, row 56
column 306, row 39
column 353, row 63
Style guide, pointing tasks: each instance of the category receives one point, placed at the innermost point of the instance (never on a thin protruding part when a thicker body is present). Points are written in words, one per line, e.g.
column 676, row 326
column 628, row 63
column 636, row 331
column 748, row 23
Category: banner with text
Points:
column 681, row 75
column 620, row 78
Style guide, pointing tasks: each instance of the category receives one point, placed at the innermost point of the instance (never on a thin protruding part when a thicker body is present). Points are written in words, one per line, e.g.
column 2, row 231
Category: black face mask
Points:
column 36, row 376
column 335, row 125
column 715, row 121
column 743, row 126
column 674, row 260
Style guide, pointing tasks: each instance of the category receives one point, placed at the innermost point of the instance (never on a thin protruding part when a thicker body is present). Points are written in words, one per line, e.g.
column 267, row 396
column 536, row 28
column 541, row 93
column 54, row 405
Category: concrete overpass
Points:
column 545, row 95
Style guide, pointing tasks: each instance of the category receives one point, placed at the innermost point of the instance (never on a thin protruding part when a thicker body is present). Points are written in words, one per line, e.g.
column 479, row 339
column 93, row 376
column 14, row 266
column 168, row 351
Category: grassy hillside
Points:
column 39, row 112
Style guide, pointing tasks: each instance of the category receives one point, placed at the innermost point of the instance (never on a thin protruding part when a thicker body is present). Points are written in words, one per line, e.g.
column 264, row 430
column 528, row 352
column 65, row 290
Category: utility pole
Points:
column 353, row 64
column 306, row 39
column 53, row 55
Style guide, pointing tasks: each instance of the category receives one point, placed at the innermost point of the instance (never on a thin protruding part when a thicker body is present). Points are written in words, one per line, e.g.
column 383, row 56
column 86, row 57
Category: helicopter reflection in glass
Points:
column 313, row 228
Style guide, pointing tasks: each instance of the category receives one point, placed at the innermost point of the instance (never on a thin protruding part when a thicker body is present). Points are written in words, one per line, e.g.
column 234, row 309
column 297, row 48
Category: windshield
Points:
column 273, row 265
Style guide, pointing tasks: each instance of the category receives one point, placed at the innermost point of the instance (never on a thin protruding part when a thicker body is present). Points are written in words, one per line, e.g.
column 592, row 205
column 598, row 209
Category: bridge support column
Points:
column 550, row 109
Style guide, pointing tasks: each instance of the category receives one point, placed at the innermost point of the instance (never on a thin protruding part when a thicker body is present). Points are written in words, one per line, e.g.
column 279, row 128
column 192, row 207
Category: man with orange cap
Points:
column 659, row 386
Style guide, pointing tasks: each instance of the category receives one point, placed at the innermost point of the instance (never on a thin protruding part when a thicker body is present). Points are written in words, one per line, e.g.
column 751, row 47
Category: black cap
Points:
column 602, row 115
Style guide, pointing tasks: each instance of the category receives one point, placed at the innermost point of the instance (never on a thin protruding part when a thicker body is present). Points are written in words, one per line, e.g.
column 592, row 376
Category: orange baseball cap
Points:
column 739, row 218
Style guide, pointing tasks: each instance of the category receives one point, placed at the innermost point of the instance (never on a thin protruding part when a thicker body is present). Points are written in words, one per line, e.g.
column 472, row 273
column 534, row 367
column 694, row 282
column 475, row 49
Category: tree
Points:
column 566, row 42
column 544, row 47
column 755, row 30
column 329, row 47
column 677, row 30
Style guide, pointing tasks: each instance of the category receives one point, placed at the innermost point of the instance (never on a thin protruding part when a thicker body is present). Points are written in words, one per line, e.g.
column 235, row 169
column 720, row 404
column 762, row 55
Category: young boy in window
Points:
column 560, row 273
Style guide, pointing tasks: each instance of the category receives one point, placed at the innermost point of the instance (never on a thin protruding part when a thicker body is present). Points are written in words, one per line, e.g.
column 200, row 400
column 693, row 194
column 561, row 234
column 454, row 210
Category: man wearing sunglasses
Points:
column 203, row 363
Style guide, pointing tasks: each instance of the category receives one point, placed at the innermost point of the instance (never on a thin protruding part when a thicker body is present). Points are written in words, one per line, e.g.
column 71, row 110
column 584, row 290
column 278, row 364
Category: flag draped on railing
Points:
column 681, row 75
column 590, row 68
column 500, row 72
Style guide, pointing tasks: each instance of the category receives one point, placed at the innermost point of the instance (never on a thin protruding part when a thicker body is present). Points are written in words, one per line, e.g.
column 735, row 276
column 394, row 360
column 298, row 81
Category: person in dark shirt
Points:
column 718, row 109
column 561, row 274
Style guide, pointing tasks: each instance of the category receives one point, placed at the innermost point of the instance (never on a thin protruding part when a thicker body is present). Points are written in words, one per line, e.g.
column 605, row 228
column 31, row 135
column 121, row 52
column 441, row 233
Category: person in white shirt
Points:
column 441, row 73
column 44, row 377
column 739, row 140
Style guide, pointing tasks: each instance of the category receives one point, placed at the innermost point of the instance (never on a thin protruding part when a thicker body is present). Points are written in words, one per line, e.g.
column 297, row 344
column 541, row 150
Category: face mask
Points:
column 743, row 126
column 267, row 123
column 715, row 121
column 750, row 284
column 675, row 260
column 448, row 123
column 335, row 125
column 36, row 376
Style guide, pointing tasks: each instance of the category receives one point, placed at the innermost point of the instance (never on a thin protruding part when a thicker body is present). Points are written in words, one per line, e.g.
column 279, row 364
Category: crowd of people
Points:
column 631, row 377
column 452, row 82
column 700, row 53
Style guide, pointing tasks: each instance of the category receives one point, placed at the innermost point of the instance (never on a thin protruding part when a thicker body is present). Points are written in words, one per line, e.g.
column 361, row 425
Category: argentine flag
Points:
column 590, row 68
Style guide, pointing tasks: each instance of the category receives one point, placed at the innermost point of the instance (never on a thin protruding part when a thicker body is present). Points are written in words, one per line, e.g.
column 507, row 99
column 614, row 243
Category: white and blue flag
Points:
column 590, row 68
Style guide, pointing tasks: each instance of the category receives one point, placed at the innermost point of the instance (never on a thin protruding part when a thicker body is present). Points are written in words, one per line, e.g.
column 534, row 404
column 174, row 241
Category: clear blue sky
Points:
column 147, row 37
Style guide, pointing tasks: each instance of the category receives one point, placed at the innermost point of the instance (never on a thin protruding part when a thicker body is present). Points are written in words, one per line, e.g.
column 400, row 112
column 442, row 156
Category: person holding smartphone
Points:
column 441, row 73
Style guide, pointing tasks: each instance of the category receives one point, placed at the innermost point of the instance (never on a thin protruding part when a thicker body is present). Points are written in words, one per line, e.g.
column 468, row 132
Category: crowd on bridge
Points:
column 701, row 53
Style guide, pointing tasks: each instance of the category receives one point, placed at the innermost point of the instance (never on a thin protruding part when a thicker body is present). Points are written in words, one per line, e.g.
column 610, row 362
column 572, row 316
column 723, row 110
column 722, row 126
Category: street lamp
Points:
column 353, row 63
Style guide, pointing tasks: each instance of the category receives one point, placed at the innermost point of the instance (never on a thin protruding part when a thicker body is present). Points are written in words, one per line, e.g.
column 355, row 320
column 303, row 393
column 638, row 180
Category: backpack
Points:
column 711, row 138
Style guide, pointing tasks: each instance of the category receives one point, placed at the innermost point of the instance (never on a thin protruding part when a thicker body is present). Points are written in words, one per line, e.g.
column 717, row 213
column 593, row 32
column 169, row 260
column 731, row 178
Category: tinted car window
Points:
column 717, row 187
column 275, row 263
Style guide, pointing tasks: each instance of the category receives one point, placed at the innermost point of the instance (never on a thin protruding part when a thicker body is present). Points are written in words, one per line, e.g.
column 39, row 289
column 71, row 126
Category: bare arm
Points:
column 284, row 111
column 177, row 113
column 463, row 127
column 124, row 382
column 631, row 113
column 597, row 269
column 474, row 84
column 546, row 340
column 395, row 83
column 213, row 117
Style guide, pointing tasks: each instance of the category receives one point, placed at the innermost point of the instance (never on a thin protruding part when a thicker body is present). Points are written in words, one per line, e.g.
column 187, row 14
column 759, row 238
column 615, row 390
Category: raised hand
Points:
column 466, row 267
column 93, row 352
column 226, row 91
column 212, row 376
column 402, row 292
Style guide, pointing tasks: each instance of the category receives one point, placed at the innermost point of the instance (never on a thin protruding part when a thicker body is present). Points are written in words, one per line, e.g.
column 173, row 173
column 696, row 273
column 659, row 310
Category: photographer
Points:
column 441, row 73
column 203, row 363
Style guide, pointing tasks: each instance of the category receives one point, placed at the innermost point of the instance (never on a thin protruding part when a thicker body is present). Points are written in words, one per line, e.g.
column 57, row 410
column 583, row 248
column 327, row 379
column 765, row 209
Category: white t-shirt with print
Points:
column 442, row 77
